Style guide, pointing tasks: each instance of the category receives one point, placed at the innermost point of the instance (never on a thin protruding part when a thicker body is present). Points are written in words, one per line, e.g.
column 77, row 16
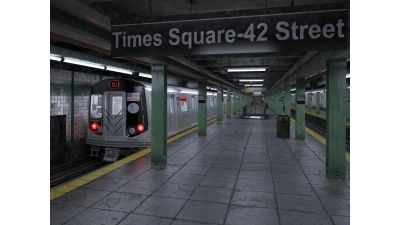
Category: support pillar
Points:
column 288, row 100
column 220, row 94
column 234, row 103
column 159, row 114
column 318, row 102
column 309, row 101
column 336, row 117
column 202, row 108
column 300, row 100
column 228, row 103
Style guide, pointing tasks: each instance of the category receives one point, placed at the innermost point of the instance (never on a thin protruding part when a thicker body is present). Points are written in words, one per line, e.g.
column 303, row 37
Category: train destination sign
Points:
column 257, row 33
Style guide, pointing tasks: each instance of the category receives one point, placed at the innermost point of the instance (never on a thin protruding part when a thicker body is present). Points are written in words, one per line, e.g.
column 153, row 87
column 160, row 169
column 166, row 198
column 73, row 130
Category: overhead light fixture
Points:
column 56, row 57
column 145, row 75
column 189, row 92
column 251, row 69
column 348, row 76
column 83, row 63
column 254, row 85
column 251, row 80
column 119, row 70
column 171, row 90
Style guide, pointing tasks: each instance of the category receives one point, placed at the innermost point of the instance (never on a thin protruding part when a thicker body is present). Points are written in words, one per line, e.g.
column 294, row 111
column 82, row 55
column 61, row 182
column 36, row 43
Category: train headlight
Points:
column 131, row 131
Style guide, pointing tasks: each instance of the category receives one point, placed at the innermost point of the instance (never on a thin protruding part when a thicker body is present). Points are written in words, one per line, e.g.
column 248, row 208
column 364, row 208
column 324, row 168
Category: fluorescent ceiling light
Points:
column 253, row 69
column 254, row 85
column 55, row 57
column 171, row 90
column 211, row 93
column 251, row 80
column 145, row 75
column 189, row 92
column 148, row 88
column 225, row 95
column 119, row 70
column 83, row 63
column 348, row 76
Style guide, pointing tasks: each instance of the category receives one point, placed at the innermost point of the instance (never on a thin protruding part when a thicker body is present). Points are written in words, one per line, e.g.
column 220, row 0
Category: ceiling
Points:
column 81, row 13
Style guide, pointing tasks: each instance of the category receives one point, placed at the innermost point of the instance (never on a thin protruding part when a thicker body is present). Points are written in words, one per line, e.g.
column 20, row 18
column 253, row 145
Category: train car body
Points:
column 120, row 118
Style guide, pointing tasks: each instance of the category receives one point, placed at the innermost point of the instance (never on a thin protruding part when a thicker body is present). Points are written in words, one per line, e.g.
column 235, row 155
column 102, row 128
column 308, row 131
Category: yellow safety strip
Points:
column 319, row 138
column 69, row 186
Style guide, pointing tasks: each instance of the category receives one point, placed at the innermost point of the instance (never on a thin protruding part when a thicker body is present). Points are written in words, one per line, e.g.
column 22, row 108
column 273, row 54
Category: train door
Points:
column 171, row 114
column 114, row 114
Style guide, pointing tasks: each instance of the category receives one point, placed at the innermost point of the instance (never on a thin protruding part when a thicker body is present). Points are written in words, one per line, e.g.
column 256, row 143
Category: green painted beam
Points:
column 220, row 95
column 336, row 117
column 159, row 114
column 300, row 114
column 202, row 108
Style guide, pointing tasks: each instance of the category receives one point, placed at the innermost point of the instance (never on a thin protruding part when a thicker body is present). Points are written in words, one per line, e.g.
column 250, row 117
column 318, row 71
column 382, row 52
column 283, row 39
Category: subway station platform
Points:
column 239, row 174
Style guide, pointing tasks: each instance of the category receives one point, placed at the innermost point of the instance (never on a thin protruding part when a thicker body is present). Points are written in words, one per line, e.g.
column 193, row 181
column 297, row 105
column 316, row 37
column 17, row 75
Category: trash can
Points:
column 283, row 126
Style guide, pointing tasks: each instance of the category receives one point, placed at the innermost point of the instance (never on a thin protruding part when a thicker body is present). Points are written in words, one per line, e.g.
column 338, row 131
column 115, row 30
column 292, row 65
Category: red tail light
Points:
column 140, row 127
column 94, row 126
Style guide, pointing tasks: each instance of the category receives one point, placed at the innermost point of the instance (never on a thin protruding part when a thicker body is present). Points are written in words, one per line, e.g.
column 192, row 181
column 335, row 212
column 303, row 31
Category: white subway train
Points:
column 111, row 130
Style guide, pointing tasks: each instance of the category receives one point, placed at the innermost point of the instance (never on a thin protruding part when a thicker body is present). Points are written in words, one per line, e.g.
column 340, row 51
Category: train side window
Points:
column 193, row 102
column 116, row 105
column 96, row 106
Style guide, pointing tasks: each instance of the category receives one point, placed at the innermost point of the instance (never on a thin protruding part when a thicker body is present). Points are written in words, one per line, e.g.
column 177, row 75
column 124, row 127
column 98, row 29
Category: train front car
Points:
column 117, row 114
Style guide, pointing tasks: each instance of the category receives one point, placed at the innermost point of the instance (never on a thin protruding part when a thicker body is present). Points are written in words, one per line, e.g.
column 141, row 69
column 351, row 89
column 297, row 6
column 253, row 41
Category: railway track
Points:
column 66, row 172
column 317, row 123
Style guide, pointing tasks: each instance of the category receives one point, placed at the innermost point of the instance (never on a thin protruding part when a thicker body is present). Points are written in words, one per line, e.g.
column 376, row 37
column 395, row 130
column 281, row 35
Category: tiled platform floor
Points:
column 240, row 174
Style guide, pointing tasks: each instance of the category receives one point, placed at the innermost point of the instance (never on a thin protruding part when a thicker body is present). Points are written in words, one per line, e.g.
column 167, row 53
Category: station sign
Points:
column 202, row 99
column 300, row 100
column 315, row 30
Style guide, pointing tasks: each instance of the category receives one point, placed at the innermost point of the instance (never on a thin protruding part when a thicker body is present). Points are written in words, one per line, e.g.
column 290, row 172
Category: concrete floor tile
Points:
column 186, row 222
column 222, row 172
column 255, row 185
column 124, row 202
column 139, row 187
column 255, row 199
column 203, row 212
column 341, row 220
column 188, row 179
column 106, row 184
column 175, row 190
column 136, row 219
column 160, row 206
column 222, row 182
column 300, row 203
column 84, row 197
column 97, row 217
column 300, row 218
column 241, row 215
column 60, row 214
column 212, row 194
column 197, row 170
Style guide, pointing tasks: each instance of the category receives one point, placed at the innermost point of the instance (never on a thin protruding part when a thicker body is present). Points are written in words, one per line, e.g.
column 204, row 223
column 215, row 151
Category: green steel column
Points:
column 348, row 104
column 202, row 108
column 336, row 117
column 228, row 103
column 288, row 100
column 159, row 114
column 300, row 100
column 310, row 97
column 318, row 102
column 220, row 94
column 233, row 103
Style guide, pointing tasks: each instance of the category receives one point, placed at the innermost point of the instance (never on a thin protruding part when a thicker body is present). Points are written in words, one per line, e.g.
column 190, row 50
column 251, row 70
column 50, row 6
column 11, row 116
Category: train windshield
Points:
column 96, row 106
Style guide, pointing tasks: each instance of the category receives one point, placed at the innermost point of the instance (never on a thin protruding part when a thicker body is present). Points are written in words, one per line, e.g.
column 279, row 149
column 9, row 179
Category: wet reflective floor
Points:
column 239, row 174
